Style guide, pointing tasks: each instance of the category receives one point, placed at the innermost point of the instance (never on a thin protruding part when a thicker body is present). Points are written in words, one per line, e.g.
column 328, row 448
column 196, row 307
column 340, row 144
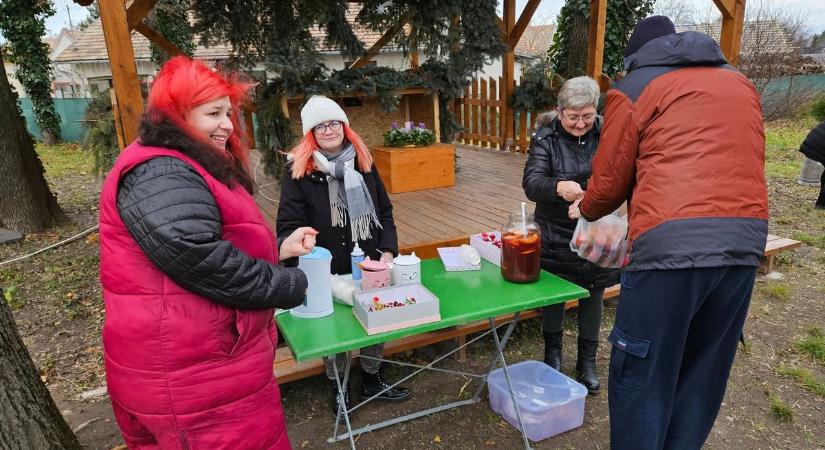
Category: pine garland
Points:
column 278, row 33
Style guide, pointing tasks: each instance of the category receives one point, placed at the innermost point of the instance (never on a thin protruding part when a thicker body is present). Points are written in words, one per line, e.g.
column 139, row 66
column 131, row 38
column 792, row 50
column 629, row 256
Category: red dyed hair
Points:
column 302, row 162
column 182, row 84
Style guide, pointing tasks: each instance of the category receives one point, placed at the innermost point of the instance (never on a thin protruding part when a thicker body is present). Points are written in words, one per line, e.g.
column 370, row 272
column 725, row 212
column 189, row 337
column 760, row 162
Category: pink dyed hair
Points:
column 302, row 162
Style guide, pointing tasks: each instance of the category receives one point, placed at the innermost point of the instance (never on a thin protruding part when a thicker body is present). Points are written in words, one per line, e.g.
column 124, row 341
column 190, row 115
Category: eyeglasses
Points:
column 587, row 118
column 333, row 125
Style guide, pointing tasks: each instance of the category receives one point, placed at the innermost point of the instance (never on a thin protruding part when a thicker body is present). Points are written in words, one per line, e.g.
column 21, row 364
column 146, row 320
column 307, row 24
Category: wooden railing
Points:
column 479, row 111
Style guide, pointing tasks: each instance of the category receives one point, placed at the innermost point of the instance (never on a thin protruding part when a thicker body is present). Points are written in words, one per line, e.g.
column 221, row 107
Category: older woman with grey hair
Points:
column 556, row 174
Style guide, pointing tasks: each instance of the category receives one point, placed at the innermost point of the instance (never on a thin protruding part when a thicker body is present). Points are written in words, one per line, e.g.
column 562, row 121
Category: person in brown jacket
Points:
column 683, row 141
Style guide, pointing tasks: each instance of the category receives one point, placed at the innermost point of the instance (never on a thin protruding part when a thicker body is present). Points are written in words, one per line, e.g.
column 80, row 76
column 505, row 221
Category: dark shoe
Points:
column 586, row 365
column 552, row 350
column 373, row 383
column 335, row 400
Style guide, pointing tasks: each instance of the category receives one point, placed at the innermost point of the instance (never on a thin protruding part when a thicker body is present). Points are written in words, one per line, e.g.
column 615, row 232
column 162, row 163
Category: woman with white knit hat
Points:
column 332, row 186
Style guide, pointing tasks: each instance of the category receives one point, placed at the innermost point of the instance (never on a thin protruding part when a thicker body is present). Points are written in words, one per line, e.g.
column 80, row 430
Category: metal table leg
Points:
column 342, row 400
column 496, row 355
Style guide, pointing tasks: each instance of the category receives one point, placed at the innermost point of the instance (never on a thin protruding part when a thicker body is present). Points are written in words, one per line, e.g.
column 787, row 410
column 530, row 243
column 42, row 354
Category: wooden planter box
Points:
column 405, row 169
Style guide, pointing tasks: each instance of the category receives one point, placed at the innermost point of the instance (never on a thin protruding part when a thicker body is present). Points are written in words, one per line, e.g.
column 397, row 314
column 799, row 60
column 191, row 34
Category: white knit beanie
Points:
column 319, row 109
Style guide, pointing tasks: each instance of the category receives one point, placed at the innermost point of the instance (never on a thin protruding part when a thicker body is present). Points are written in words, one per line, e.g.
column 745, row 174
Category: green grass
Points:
column 810, row 239
column 780, row 411
column 65, row 159
column 782, row 140
column 804, row 377
column 813, row 345
column 778, row 290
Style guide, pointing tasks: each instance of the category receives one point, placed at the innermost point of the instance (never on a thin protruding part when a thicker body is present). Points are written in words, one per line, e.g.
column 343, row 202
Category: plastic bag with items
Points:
column 603, row 242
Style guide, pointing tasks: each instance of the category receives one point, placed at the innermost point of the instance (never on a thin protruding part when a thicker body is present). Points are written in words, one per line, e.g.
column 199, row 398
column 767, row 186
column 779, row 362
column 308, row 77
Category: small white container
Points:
column 549, row 402
column 406, row 269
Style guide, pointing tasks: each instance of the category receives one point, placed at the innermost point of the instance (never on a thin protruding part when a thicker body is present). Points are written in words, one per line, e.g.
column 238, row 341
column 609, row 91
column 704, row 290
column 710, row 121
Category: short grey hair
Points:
column 579, row 92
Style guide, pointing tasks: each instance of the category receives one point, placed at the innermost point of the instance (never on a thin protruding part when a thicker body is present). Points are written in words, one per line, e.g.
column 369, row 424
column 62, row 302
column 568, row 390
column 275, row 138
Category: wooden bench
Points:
column 286, row 369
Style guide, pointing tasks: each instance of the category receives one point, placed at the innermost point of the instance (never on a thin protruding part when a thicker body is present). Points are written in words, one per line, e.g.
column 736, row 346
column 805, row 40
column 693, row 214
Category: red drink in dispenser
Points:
column 520, row 252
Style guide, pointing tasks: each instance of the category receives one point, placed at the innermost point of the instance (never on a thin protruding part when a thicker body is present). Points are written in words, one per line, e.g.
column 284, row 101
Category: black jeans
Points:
column 820, row 202
column 674, row 341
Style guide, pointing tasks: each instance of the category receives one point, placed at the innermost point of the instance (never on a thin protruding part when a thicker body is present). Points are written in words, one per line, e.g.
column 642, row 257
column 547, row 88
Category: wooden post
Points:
column 122, row 61
column 595, row 39
column 733, row 22
column 508, row 63
column 380, row 43
column 413, row 50
column 121, row 142
column 436, row 118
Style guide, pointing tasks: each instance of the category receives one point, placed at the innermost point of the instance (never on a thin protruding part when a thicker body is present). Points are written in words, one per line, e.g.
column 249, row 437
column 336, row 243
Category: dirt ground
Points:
column 769, row 403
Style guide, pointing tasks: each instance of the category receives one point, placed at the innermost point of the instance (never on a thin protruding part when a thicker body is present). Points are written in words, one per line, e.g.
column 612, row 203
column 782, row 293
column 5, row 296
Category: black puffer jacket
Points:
column 170, row 212
column 814, row 144
column 556, row 155
column 305, row 202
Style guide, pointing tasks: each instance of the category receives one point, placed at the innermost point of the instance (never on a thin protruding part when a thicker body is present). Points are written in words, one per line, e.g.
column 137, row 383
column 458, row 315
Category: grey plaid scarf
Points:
column 354, row 199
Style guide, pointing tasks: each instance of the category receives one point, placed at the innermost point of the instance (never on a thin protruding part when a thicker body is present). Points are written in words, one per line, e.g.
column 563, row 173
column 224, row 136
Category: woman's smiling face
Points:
column 212, row 121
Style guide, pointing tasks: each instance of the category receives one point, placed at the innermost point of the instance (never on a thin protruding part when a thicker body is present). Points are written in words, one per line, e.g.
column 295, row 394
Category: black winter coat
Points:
column 173, row 216
column 305, row 202
column 555, row 155
column 814, row 144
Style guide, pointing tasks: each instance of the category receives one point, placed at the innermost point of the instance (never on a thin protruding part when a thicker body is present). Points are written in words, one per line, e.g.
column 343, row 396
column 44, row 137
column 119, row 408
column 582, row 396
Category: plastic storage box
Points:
column 550, row 403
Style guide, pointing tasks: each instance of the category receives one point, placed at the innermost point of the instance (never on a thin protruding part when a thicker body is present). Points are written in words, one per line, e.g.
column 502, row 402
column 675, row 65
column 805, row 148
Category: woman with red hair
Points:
column 335, row 189
column 190, row 275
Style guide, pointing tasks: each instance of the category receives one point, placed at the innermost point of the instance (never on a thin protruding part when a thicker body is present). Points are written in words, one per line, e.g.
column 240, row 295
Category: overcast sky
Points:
column 813, row 10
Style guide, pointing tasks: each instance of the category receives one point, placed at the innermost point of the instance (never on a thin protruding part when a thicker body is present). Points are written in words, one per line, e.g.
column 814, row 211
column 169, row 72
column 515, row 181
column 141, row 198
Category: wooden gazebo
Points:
column 118, row 21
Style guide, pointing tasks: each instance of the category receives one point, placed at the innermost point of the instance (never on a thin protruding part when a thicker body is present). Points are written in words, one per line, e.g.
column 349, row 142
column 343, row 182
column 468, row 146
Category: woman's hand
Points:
column 573, row 211
column 299, row 243
column 569, row 190
column 386, row 257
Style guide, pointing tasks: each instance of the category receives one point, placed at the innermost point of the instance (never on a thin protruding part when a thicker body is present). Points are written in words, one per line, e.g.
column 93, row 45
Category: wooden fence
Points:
column 479, row 112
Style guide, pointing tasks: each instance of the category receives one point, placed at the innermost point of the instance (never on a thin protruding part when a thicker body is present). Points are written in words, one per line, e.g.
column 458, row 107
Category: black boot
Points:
column 373, row 383
column 335, row 399
column 586, row 365
column 552, row 350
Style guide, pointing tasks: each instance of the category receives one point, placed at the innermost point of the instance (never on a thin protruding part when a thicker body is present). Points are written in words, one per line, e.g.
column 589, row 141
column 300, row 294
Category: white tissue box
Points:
column 451, row 258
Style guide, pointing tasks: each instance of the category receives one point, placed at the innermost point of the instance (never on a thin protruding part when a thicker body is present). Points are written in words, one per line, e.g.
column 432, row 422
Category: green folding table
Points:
column 464, row 297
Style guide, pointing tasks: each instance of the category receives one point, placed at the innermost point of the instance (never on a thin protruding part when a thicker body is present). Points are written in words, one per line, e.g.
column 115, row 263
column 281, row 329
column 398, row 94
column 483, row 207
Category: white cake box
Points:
column 424, row 310
column 549, row 402
column 483, row 242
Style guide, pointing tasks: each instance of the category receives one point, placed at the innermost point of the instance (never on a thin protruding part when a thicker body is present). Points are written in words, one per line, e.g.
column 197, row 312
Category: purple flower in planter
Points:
column 394, row 125
column 421, row 125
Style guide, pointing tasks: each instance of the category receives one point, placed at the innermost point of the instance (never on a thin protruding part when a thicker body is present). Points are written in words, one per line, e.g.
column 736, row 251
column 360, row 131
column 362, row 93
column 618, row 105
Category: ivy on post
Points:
column 23, row 25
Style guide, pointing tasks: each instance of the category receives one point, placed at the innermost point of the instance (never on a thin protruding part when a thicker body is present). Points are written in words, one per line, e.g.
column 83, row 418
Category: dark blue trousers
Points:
column 674, row 342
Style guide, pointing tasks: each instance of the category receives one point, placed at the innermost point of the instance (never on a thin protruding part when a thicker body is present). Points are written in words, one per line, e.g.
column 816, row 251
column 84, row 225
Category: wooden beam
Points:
column 501, row 25
column 124, row 69
column 158, row 39
column 380, row 43
column 595, row 39
column 413, row 50
column 508, row 85
column 121, row 142
column 726, row 7
column 523, row 22
column 730, row 38
column 137, row 11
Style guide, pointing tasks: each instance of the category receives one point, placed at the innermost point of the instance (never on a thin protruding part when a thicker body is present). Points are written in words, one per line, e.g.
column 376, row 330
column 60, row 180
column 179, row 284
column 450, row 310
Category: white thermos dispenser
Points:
column 318, row 300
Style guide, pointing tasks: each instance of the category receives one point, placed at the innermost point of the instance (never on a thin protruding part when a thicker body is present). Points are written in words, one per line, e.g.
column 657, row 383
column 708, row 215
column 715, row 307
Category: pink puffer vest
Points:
column 181, row 369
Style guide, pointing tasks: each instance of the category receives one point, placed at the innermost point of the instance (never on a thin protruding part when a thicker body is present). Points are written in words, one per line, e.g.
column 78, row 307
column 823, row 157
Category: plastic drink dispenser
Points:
column 318, row 300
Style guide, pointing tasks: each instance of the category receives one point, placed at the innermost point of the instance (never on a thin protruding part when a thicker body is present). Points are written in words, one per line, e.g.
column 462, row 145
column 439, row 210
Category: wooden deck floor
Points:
column 487, row 189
